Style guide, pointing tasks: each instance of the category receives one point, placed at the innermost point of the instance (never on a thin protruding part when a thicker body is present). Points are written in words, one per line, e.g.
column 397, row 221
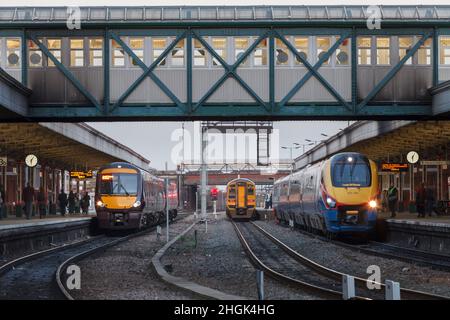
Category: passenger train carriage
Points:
column 127, row 197
column 336, row 196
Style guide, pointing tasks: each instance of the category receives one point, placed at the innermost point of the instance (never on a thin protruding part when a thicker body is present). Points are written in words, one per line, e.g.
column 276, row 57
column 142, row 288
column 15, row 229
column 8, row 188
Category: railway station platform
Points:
column 19, row 236
column 430, row 234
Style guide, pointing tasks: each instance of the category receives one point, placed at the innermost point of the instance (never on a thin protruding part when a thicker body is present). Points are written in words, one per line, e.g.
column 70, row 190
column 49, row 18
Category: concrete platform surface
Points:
column 15, row 223
column 411, row 218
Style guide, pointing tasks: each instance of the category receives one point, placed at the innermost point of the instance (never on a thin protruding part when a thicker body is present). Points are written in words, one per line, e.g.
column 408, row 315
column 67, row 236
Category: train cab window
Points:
column 199, row 54
column 118, row 57
column 54, row 46
column 383, row 47
column 323, row 44
column 232, row 192
column 444, row 50
column 13, row 52
column 96, row 52
column 34, row 54
column 250, row 190
column 281, row 53
column 364, row 50
column 158, row 45
column 119, row 184
column 220, row 46
column 240, row 46
column 404, row 45
column 302, row 46
column 76, row 52
column 137, row 45
column 350, row 171
column 424, row 53
column 343, row 53
column 178, row 54
column 260, row 54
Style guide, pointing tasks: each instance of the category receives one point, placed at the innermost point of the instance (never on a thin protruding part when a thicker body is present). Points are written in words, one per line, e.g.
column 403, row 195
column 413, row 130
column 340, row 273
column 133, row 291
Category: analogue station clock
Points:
column 31, row 160
column 412, row 157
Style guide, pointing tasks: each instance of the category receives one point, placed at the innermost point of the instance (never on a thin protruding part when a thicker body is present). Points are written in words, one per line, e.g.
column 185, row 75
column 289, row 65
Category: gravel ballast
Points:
column 219, row 262
column 125, row 271
column 355, row 263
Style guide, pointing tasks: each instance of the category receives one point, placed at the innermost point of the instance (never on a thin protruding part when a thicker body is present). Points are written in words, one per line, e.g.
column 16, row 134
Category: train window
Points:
column 404, row 45
column 178, row 54
column 240, row 46
column 76, row 52
column 220, row 46
column 444, row 50
column 232, row 192
column 383, row 55
column 281, row 53
column 199, row 54
column 364, row 50
column 250, row 190
column 159, row 44
column 424, row 53
column 34, row 54
column 260, row 54
column 350, row 171
column 13, row 52
column 54, row 46
column 322, row 46
column 96, row 52
column 302, row 46
column 118, row 57
column 343, row 53
column 137, row 45
column 119, row 183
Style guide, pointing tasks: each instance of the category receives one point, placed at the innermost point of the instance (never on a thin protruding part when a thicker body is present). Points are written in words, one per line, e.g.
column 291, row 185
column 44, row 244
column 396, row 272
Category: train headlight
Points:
column 137, row 204
column 372, row 204
column 100, row 204
column 331, row 202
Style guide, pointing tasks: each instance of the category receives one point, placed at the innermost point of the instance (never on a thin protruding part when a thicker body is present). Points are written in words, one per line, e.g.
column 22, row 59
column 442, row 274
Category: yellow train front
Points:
column 241, row 199
column 128, row 198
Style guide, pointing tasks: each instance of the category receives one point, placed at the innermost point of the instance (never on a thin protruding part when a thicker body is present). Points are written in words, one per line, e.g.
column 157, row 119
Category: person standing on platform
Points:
column 62, row 198
column 85, row 203
column 420, row 201
column 71, row 202
column 42, row 203
column 28, row 197
column 77, row 202
column 392, row 200
column 429, row 201
column 2, row 193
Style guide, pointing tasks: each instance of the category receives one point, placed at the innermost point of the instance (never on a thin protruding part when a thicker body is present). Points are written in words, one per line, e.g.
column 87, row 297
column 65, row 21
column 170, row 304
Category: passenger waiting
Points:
column 62, row 198
column 28, row 197
column 429, row 201
column 42, row 203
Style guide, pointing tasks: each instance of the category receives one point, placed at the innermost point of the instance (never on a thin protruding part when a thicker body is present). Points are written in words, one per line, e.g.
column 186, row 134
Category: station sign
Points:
column 81, row 175
column 394, row 167
column 434, row 162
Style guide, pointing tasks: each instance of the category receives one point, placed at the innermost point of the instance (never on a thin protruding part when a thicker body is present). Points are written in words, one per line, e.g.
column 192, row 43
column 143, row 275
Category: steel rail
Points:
column 334, row 274
column 284, row 278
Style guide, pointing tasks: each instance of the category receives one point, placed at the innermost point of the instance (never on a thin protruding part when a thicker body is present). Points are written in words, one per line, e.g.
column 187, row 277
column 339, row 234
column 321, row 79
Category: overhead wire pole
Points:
column 203, row 135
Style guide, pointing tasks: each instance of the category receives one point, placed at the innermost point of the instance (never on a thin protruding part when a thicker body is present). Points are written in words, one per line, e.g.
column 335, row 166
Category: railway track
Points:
column 32, row 277
column 336, row 276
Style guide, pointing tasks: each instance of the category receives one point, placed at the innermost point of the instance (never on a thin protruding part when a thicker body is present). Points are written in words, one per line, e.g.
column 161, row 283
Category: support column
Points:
column 203, row 134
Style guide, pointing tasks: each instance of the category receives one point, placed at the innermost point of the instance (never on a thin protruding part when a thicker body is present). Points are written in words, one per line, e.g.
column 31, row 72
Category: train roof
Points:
column 240, row 179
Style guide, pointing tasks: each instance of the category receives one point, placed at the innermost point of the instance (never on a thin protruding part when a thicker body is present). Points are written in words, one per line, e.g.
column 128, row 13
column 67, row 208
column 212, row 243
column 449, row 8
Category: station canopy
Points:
column 222, row 13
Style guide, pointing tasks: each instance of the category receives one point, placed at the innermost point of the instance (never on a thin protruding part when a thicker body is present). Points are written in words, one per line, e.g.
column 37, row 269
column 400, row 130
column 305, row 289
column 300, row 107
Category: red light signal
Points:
column 214, row 193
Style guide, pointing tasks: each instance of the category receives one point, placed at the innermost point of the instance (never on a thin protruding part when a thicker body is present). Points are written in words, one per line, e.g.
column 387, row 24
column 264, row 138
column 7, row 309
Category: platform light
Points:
column 373, row 204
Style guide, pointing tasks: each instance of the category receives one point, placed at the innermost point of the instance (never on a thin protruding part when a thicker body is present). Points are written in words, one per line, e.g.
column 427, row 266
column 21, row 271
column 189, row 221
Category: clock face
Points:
column 412, row 157
column 31, row 160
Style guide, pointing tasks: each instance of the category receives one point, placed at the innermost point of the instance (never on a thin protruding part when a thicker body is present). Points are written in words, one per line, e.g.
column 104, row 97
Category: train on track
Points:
column 336, row 197
column 241, row 199
column 127, row 197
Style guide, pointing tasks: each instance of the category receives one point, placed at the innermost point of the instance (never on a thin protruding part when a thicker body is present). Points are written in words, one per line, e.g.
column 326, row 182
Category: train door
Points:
column 241, row 195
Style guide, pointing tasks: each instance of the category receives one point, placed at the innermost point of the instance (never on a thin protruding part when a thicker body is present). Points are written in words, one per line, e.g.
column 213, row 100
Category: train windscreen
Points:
column 350, row 171
column 119, row 184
